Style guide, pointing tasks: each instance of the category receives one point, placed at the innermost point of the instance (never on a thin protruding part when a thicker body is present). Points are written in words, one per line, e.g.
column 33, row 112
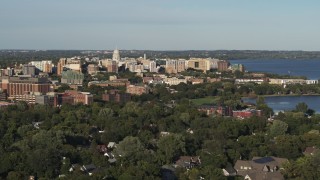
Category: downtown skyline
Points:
column 160, row 25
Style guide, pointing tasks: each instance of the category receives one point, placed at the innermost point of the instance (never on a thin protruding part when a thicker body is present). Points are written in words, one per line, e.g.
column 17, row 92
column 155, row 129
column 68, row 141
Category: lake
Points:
column 281, row 103
column 294, row 67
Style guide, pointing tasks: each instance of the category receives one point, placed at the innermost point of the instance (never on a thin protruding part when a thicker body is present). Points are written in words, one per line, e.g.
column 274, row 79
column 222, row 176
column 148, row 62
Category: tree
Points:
column 278, row 128
column 170, row 147
column 129, row 146
column 302, row 107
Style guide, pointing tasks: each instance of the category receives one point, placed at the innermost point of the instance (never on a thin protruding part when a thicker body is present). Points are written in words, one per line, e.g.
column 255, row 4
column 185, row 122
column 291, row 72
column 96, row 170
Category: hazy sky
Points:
column 160, row 24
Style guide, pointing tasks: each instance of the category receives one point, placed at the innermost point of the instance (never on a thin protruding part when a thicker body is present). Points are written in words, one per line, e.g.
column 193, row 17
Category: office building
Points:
column 72, row 77
column 28, row 69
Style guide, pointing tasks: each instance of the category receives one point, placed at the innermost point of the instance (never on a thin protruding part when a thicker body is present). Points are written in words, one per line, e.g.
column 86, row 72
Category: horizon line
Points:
column 21, row 49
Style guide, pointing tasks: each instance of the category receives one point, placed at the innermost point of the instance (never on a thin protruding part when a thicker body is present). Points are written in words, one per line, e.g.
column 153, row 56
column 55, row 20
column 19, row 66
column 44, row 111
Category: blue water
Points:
column 286, row 103
column 307, row 67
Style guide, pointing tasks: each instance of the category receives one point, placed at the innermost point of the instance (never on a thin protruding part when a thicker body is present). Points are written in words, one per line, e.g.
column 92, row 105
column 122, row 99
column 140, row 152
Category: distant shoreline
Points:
column 278, row 95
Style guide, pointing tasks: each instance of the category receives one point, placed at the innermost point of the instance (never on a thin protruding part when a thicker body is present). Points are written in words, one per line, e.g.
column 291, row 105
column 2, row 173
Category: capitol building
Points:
column 116, row 55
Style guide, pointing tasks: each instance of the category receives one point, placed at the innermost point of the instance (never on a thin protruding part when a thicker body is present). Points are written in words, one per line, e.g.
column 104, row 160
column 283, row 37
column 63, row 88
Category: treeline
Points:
column 44, row 142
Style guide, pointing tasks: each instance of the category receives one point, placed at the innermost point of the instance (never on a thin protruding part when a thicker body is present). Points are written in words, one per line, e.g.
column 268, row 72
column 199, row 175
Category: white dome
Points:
column 116, row 55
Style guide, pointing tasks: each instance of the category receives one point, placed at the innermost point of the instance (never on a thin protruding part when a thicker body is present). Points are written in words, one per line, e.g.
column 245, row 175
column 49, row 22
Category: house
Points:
column 310, row 151
column 90, row 168
column 102, row 148
column 263, row 176
column 260, row 168
column 188, row 162
column 229, row 171
column 111, row 145
column 164, row 133
column 74, row 167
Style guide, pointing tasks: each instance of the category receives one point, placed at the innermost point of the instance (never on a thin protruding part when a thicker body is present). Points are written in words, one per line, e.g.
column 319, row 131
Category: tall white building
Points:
column 153, row 66
column 44, row 66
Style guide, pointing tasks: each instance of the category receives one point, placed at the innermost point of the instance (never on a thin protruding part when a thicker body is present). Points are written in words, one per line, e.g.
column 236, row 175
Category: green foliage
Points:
column 170, row 147
column 278, row 128
column 74, row 132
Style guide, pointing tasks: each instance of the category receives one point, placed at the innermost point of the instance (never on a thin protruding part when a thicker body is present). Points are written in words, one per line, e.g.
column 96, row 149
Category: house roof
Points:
column 271, row 161
column 269, row 165
column 242, row 163
column 187, row 161
column 310, row 150
column 229, row 169
column 88, row 167
column 111, row 144
column 260, row 175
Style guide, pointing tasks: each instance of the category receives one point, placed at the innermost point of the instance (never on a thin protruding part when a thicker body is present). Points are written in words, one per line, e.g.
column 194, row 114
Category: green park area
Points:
column 205, row 100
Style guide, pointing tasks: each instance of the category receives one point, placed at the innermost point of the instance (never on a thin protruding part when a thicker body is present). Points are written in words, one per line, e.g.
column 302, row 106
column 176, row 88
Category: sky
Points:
column 160, row 24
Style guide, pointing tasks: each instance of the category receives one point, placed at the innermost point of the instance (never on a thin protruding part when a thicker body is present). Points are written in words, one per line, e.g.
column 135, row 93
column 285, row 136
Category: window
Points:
column 196, row 64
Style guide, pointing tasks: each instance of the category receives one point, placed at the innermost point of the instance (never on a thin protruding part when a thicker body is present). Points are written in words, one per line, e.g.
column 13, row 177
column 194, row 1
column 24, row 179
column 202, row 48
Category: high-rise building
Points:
column 60, row 65
column 29, row 69
column 199, row 64
column 153, row 66
column 223, row 65
column 175, row 66
column 112, row 66
column 72, row 77
column 43, row 66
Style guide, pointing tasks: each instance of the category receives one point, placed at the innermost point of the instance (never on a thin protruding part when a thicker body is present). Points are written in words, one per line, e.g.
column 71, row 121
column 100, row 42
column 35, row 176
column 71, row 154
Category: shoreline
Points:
column 280, row 95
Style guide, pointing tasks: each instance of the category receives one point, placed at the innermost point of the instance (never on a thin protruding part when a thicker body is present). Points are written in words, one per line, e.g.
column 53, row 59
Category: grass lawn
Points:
column 206, row 100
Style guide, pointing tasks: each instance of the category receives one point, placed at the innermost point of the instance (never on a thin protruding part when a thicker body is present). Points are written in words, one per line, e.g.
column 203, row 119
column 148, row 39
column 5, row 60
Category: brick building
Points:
column 73, row 97
column 17, row 86
column 216, row 110
column 116, row 96
column 246, row 113
column 137, row 90
column 223, row 65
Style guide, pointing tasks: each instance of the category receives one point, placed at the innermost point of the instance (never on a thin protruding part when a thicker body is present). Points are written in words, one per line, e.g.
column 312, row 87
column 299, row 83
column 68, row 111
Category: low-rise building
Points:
column 246, row 113
column 243, row 81
column 73, row 97
column 93, row 69
column 286, row 81
column 116, row 96
column 174, row 81
column 114, row 83
column 138, row 90
column 216, row 110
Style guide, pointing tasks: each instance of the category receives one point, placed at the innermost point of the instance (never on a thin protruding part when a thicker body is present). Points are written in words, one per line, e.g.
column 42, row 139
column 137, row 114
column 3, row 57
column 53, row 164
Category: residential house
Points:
column 229, row 171
column 260, row 168
column 310, row 151
column 88, row 169
column 188, row 162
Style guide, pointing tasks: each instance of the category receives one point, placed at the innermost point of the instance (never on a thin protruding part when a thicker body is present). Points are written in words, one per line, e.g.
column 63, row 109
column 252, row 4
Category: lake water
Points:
column 305, row 67
column 281, row 103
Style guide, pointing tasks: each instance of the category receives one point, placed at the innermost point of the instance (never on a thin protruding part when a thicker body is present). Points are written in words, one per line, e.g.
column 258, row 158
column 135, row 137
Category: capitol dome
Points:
column 116, row 55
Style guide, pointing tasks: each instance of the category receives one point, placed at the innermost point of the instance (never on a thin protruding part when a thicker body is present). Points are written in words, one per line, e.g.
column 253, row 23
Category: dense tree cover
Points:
column 70, row 135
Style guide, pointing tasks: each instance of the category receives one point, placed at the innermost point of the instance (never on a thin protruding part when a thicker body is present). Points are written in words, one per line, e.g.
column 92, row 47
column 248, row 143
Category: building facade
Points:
column 116, row 96
column 72, row 77
column 137, row 90
column 20, row 86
